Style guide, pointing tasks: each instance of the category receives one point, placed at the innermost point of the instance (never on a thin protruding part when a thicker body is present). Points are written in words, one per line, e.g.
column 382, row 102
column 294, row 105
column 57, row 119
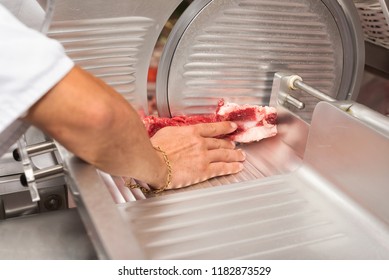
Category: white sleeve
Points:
column 30, row 65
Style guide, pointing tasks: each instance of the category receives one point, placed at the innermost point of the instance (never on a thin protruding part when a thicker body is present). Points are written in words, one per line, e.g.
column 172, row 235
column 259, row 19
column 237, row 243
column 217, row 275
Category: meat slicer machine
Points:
column 317, row 190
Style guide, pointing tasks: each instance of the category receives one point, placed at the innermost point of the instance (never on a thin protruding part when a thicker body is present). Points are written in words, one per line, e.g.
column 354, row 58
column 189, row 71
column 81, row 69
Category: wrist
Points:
column 163, row 179
column 165, row 175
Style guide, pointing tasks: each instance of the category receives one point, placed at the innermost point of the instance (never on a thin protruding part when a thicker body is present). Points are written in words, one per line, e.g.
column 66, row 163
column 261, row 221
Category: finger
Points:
column 215, row 129
column 226, row 155
column 213, row 143
column 224, row 168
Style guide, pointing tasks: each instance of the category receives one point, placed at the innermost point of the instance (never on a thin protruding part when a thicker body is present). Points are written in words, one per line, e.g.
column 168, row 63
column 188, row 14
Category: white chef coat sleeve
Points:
column 30, row 65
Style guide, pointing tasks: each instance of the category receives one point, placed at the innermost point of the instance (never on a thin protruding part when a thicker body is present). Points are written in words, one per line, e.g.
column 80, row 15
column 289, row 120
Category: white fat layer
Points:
column 247, row 125
column 261, row 111
column 228, row 108
column 255, row 134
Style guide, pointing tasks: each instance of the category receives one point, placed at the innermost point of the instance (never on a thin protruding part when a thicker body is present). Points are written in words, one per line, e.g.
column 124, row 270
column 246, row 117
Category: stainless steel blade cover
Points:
column 231, row 50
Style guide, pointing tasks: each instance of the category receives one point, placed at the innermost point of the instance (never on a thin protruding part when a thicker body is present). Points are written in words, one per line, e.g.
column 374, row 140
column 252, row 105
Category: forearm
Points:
column 94, row 122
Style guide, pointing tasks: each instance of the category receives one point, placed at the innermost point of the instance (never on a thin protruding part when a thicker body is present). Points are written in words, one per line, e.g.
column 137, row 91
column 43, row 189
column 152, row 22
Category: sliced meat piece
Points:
column 254, row 122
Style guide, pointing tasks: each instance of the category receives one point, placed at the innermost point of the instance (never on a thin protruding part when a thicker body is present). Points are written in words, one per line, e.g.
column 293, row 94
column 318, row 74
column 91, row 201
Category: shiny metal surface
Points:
column 8, row 165
column 276, row 218
column 293, row 200
column 234, row 53
column 332, row 205
column 375, row 93
column 39, row 148
column 320, row 211
column 56, row 235
column 385, row 9
column 377, row 59
column 28, row 168
column 98, row 211
column 324, row 198
column 35, row 14
column 15, row 199
column 114, row 41
column 39, row 164
column 356, row 165
column 312, row 91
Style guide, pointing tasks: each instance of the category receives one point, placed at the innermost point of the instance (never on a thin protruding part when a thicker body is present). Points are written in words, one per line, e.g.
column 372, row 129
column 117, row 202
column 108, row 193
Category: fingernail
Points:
column 234, row 125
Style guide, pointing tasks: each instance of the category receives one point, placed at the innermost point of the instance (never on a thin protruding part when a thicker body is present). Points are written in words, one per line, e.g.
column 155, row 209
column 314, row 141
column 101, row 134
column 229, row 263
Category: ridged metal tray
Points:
column 330, row 206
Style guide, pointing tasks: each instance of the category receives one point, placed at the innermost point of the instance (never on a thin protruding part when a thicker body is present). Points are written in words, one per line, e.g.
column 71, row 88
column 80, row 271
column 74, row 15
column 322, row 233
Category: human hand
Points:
column 196, row 155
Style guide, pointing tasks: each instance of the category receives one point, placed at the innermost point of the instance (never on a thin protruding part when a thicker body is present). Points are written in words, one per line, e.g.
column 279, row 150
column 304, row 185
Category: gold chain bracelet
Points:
column 131, row 186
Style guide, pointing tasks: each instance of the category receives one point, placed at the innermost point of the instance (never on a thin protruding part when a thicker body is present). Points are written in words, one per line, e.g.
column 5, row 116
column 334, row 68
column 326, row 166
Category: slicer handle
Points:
column 295, row 82
column 361, row 112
